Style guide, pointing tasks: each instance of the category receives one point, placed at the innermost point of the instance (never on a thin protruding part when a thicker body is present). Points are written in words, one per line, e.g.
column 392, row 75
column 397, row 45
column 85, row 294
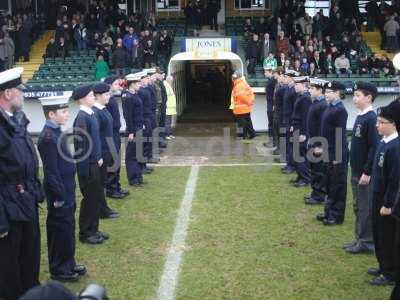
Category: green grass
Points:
column 130, row 263
column 252, row 237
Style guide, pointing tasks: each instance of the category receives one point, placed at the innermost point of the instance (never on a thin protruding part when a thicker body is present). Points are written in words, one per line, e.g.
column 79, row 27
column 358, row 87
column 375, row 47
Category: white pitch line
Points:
column 218, row 164
column 169, row 278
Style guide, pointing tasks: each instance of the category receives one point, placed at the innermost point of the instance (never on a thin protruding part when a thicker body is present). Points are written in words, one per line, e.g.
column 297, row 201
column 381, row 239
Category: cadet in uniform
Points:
column 287, row 110
column 145, row 95
column 108, row 150
column 317, row 166
column 88, row 157
column 113, row 187
column 269, row 92
column 333, row 129
column 20, row 193
column 133, row 113
column 279, row 92
column 59, row 186
column 364, row 141
column 385, row 185
column 299, row 129
column 162, row 110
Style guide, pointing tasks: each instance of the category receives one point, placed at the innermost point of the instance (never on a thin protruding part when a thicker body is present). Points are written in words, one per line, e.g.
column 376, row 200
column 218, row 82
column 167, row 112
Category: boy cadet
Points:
column 333, row 129
column 385, row 186
column 59, row 186
column 362, row 152
column 133, row 113
column 113, row 187
column 287, row 110
column 88, row 158
column 108, row 150
column 145, row 95
column 299, row 129
column 317, row 167
column 280, row 90
column 20, row 193
column 269, row 92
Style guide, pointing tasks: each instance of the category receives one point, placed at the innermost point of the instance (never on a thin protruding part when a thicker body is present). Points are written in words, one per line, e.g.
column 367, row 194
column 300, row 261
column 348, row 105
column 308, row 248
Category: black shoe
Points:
column 136, row 184
column 288, row 171
column 80, row 270
column 92, row 240
column 294, row 180
column 115, row 195
column 349, row 244
column 312, row 201
column 70, row 277
column 147, row 171
column 358, row 249
column 124, row 192
column 110, row 215
column 381, row 280
column 320, row 217
column 374, row 272
column 162, row 145
column 154, row 160
column 307, row 197
column 300, row 184
column 103, row 235
column 276, row 152
column 331, row 222
column 268, row 145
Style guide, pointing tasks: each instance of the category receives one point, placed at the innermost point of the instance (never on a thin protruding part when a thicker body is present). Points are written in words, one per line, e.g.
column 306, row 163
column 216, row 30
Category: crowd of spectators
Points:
column 320, row 45
column 120, row 41
column 17, row 33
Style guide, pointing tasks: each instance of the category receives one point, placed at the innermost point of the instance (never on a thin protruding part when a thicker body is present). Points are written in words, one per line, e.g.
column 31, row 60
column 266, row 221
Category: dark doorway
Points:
column 208, row 85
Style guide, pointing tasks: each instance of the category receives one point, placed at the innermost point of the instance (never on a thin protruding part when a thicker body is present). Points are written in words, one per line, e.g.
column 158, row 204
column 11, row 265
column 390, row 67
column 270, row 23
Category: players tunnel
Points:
column 203, row 85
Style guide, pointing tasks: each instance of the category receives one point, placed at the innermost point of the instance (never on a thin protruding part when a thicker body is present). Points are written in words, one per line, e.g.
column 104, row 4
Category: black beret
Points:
column 101, row 88
column 335, row 86
column 368, row 87
column 81, row 91
column 110, row 80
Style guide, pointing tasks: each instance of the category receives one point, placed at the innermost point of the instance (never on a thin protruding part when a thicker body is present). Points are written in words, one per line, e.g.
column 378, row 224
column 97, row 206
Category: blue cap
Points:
column 81, row 91
column 110, row 80
column 101, row 88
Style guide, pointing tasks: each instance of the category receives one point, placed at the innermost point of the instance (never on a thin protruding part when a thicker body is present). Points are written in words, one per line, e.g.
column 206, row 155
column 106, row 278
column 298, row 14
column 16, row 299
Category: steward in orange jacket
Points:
column 242, row 100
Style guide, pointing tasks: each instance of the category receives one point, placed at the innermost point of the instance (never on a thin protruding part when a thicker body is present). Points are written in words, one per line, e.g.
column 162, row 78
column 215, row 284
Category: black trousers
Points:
column 384, row 234
column 252, row 65
column 92, row 190
column 60, row 227
column 270, row 116
column 276, row 129
column 133, row 167
column 214, row 21
column 318, row 180
column 244, row 122
column 396, row 290
column 336, row 186
column 105, row 210
column 19, row 259
column 113, row 177
column 289, row 149
column 303, row 166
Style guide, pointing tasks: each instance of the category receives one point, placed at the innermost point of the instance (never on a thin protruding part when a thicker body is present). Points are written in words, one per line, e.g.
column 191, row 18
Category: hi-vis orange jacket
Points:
column 242, row 97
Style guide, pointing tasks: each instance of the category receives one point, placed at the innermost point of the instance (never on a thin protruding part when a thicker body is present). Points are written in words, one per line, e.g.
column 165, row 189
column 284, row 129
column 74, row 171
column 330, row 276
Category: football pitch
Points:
column 222, row 232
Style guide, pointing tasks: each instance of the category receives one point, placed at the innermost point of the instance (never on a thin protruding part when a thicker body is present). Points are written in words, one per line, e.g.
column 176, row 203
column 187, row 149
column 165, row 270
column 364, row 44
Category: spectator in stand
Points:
column 3, row 52
column 281, row 60
column 391, row 28
column 372, row 14
column 10, row 49
column 277, row 27
column 329, row 64
column 149, row 57
column 23, row 41
column 305, row 67
column 261, row 27
column 270, row 62
column 375, row 64
column 253, row 54
column 248, row 28
column 81, row 37
column 282, row 44
column 51, row 49
column 163, row 48
column 342, row 65
column 102, row 70
column 268, row 46
column 120, row 58
column 59, row 30
column 107, row 41
column 62, row 48
column 313, row 71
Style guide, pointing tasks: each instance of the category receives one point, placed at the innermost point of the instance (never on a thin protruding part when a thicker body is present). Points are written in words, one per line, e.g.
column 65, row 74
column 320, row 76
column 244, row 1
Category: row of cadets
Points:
column 113, row 186
column 298, row 131
column 59, row 186
column 314, row 116
column 108, row 150
column 289, row 99
column 89, row 161
column 133, row 109
column 333, row 130
column 20, row 193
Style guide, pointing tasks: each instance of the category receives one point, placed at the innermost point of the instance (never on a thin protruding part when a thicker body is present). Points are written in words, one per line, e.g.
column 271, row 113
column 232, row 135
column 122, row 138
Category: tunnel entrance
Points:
column 208, row 89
